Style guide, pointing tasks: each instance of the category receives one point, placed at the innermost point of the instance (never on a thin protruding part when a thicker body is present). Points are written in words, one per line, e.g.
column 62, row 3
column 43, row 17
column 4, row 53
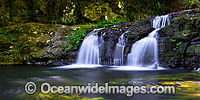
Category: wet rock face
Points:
column 110, row 37
column 179, row 42
column 54, row 44
column 132, row 33
column 136, row 33
column 53, row 54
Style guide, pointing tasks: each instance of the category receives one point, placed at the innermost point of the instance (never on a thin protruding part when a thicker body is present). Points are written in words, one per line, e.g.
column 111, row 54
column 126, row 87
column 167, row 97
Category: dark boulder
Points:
column 179, row 43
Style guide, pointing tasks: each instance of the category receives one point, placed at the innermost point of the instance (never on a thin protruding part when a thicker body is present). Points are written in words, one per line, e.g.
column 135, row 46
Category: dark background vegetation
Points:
column 72, row 12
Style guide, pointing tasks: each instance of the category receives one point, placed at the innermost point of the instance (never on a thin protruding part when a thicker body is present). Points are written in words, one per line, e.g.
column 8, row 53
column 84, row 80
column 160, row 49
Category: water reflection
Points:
column 13, row 79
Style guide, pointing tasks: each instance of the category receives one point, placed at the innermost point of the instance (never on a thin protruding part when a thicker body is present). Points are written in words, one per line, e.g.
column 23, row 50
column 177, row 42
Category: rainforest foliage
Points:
column 71, row 12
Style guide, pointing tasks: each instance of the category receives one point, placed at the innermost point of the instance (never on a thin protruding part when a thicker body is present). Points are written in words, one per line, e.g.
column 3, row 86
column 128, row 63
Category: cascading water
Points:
column 119, row 50
column 161, row 21
column 145, row 51
column 89, row 51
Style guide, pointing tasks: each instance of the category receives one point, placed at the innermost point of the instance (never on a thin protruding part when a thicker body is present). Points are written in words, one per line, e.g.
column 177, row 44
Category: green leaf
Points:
column 12, row 38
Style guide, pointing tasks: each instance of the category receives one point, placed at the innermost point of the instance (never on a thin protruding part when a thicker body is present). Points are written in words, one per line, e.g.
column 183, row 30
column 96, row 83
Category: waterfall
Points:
column 119, row 51
column 161, row 21
column 145, row 51
column 89, row 51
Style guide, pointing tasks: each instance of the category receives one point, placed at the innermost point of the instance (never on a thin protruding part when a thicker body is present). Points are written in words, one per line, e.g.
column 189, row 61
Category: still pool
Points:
column 14, row 78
